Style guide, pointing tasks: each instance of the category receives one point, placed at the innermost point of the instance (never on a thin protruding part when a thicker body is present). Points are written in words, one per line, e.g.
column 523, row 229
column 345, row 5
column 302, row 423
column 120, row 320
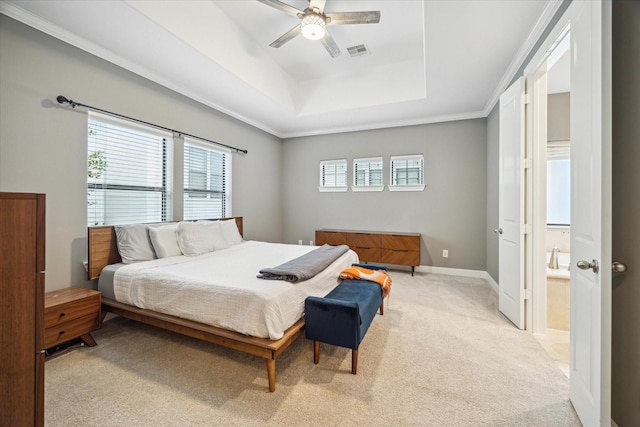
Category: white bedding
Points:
column 221, row 288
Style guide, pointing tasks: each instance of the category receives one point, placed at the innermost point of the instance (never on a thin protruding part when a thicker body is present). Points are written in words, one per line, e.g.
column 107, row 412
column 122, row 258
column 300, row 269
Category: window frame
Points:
column 558, row 151
column 226, row 210
column 334, row 188
column 367, row 185
column 166, row 188
column 394, row 186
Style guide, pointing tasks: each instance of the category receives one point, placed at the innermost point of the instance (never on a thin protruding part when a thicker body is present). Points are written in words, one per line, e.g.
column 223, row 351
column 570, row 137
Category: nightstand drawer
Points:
column 72, row 329
column 57, row 314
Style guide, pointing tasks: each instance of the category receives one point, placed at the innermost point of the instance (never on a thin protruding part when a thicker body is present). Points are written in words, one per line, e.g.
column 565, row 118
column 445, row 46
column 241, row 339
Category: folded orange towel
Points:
column 360, row 273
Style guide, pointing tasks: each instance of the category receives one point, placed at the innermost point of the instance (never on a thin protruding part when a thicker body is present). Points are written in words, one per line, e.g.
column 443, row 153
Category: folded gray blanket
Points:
column 306, row 266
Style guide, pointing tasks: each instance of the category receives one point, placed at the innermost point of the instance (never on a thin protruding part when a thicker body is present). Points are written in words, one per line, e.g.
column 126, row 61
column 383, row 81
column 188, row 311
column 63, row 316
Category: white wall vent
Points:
column 358, row 50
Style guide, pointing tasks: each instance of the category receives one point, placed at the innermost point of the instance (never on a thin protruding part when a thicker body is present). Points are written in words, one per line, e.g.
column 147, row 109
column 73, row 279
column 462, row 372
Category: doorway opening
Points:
column 552, row 195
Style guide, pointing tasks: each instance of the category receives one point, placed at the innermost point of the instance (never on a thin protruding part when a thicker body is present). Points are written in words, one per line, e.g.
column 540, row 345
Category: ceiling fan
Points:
column 313, row 22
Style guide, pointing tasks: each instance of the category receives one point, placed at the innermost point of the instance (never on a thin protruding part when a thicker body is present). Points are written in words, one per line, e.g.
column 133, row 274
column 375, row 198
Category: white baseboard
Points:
column 459, row 272
column 492, row 282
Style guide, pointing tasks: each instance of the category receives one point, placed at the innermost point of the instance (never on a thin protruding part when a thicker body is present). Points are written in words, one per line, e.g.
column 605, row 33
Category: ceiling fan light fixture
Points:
column 312, row 26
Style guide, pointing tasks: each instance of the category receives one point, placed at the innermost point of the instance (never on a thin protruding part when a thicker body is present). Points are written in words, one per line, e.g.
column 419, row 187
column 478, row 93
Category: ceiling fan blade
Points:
column 287, row 36
column 330, row 44
column 345, row 18
column 282, row 7
column 317, row 4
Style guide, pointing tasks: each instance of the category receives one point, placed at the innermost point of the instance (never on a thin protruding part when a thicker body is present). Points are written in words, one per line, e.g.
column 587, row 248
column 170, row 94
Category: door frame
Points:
column 536, row 74
column 537, row 209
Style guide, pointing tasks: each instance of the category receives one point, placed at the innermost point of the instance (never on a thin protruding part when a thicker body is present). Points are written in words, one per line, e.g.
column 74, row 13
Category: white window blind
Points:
column 367, row 174
column 333, row 175
column 128, row 172
column 407, row 173
column 206, row 181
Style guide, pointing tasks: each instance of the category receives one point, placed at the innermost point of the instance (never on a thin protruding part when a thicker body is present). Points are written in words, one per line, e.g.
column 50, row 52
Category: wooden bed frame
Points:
column 103, row 251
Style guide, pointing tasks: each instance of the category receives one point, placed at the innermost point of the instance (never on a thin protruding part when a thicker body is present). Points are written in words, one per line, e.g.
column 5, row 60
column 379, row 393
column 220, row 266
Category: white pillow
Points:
column 230, row 232
column 165, row 240
column 196, row 238
column 133, row 243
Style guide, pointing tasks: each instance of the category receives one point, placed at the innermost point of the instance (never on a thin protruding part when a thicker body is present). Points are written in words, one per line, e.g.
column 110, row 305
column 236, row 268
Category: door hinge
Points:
column 526, row 163
column 526, row 228
column 527, row 294
column 525, row 98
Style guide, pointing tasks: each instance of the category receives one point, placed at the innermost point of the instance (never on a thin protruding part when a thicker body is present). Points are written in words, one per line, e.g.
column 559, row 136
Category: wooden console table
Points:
column 376, row 246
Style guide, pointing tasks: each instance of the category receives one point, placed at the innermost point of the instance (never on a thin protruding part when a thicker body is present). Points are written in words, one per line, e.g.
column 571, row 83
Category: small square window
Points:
column 333, row 175
column 407, row 173
column 367, row 174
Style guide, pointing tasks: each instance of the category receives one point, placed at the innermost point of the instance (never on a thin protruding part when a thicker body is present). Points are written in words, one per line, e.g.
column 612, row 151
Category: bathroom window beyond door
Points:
column 558, row 192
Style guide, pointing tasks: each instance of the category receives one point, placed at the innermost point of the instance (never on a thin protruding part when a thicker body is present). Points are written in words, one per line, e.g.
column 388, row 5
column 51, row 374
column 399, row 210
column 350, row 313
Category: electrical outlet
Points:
column 310, row 242
column 445, row 253
column 300, row 241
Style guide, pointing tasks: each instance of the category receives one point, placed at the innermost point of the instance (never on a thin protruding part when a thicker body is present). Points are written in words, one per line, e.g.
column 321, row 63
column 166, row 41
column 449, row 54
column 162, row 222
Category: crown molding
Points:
column 385, row 125
column 536, row 32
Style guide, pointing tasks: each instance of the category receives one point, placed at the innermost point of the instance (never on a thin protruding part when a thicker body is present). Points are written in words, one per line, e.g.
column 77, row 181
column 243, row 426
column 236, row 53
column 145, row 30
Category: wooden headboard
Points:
column 103, row 249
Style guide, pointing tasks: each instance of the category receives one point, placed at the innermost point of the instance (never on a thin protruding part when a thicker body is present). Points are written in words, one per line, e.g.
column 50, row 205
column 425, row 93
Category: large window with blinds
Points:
column 129, row 169
column 407, row 173
column 367, row 174
column 207, row 173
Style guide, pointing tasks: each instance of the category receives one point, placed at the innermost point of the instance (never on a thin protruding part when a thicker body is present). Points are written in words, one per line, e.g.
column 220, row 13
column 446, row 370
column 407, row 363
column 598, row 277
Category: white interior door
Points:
column 590, row 377
column 511, row 204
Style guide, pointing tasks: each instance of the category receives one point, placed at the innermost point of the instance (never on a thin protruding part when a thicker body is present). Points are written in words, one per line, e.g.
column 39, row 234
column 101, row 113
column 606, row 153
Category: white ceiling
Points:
column 429, row 61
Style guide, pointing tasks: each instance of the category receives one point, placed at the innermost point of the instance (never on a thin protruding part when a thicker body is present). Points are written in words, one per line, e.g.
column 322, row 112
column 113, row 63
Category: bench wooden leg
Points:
column 382, row 308
column 316, row 352
column 354, row 361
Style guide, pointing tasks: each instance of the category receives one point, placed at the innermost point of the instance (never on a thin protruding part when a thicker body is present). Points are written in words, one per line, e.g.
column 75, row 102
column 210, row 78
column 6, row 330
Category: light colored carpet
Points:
column 441, row 355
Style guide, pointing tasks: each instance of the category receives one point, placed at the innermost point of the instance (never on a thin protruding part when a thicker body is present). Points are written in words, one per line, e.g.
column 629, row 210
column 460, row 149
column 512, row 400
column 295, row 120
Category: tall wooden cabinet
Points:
column 22, row 251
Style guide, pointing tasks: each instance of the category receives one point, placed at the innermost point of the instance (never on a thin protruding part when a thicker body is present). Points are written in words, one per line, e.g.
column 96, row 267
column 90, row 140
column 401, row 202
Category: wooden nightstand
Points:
column 71, row 313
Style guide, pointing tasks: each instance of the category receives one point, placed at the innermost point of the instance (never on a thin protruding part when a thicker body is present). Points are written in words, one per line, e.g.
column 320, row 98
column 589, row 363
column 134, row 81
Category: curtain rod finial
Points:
column 64, row 100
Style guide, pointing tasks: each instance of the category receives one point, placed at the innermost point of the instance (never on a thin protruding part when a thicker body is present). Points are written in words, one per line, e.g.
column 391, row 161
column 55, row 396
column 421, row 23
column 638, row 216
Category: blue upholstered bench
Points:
column 343, row 316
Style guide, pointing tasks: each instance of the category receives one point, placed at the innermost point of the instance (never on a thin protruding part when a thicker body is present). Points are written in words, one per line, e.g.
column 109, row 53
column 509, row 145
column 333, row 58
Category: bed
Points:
column 263, row 317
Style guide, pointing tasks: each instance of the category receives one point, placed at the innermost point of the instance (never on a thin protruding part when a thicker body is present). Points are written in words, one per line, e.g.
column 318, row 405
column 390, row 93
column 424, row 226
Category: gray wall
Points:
column 625, row 351
column 43, row 145
column 493, row 156
column 558, row 117
column 450, row 213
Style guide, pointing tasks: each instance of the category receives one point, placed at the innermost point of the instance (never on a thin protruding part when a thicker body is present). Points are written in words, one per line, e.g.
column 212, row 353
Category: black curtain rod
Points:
column 63, row 100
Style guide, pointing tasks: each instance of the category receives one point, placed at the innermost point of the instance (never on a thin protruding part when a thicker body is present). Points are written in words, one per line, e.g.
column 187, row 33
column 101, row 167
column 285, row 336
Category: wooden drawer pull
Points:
column 62, row 315
column 400, row 250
